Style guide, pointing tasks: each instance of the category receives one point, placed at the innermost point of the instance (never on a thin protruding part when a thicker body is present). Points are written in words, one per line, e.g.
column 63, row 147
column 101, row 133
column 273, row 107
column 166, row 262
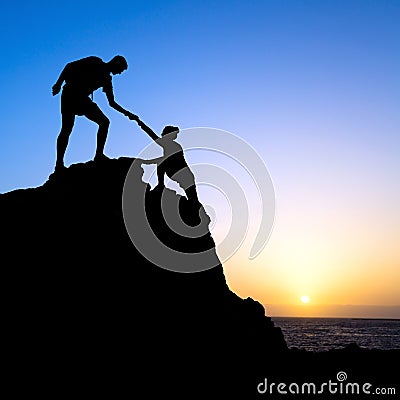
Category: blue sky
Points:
column 314, row 86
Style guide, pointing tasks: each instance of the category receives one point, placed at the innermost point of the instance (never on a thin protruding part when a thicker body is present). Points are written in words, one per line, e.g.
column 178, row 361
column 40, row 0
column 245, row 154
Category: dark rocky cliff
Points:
column 84, row 305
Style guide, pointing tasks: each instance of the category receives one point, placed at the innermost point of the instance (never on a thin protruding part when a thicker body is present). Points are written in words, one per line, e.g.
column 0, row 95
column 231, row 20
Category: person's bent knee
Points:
column 104, row 123
column 64, row 133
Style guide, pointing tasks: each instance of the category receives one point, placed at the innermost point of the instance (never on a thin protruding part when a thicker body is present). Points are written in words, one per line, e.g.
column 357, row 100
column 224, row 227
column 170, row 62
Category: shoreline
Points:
column 352, row 318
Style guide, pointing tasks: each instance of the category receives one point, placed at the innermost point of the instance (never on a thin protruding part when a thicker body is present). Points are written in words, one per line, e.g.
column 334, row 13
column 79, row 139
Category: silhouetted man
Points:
column 82, row 77
column 173, row 162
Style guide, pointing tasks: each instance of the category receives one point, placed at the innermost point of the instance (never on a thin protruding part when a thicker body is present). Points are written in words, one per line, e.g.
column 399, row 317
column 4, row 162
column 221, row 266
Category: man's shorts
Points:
column 77, row 104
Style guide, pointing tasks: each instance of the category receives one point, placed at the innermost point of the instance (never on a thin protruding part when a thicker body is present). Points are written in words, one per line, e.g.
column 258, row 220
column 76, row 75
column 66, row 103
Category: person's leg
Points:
column 96, row 115
column 160, row 175
column 186, row 180
column 191, row 193
column 67, row 123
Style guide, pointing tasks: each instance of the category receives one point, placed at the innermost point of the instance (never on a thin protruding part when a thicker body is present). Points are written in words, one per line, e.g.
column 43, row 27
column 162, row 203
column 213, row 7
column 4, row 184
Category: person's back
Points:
column 172, row 151
column 86, row 75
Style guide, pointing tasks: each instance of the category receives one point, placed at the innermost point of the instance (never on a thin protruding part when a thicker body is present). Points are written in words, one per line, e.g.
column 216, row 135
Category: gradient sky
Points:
column 314, row 86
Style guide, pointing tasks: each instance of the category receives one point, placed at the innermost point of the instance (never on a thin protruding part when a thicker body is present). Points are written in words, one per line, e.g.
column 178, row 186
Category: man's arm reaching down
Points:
column 111, row 101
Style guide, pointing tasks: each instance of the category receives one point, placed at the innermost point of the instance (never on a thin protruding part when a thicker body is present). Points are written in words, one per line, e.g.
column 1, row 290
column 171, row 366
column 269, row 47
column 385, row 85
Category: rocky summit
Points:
column 87, row 309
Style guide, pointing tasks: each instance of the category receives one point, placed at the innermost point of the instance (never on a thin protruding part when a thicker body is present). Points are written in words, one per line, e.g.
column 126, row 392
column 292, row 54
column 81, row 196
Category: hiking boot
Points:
column 100, row 158
column 59, row 168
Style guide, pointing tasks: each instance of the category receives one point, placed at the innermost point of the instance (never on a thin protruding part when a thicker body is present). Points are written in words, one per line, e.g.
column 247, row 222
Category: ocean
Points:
column 322, row 334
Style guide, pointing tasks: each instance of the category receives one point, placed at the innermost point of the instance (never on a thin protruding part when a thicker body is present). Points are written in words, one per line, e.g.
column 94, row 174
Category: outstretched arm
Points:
column 147, row 129
column 116, row 106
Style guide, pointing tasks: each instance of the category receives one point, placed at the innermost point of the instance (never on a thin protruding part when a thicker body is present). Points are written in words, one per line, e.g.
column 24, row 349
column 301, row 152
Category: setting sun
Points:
column 305, row 299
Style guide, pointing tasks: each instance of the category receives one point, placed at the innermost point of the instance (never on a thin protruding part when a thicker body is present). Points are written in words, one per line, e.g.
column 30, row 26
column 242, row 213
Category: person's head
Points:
column 118, row 64
column 171, row 131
